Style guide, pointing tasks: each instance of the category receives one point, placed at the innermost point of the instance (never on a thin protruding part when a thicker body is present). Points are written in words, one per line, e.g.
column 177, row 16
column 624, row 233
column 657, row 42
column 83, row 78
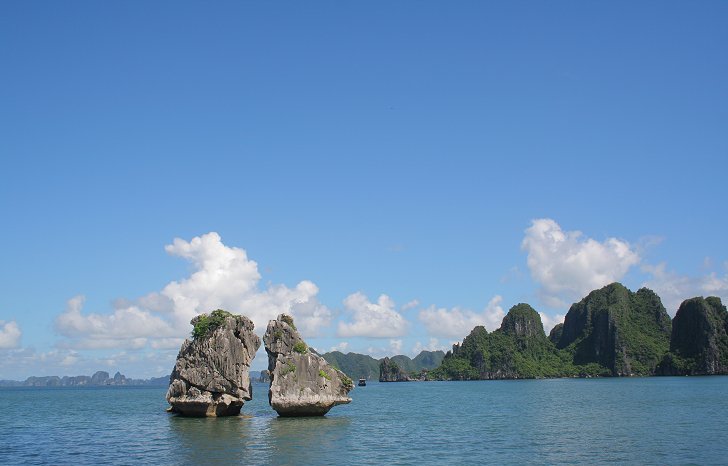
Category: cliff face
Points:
column 522, row 321
column 699, row 342
column 624, row 332
column 302, row 382
column 211, row 374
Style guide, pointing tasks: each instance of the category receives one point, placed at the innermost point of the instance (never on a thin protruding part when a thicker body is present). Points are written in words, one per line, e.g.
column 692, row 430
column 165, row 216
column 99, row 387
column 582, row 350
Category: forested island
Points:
column 612, row 332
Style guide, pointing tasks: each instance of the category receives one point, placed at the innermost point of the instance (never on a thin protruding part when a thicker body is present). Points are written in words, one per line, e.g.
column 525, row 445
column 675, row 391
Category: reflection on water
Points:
column 256, row 438
column 308, row 440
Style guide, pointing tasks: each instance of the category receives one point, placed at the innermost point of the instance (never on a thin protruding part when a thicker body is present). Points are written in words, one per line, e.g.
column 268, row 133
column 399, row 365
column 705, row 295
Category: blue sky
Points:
column 398, row 171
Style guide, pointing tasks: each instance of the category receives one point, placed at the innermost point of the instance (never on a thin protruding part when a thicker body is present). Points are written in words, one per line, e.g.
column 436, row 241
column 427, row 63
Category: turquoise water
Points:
column 669, row 420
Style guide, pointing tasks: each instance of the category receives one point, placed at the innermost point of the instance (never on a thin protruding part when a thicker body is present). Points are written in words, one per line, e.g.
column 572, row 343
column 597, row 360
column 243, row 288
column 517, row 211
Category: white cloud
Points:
column 124, row 327
column 166, row 343
column 70, row 359
column 378, row 320
column 457, row 322
column 568, row 266
column 17, row 364
column 410, row 305
column 395, row 346
column 673, row 289
column 223, row 277
column 549, row 322
column 9, row 334
column 342, row 346
column 432, row 345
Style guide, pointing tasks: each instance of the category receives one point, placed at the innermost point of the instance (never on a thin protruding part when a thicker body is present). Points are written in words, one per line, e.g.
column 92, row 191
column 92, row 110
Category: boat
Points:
column 362, row 382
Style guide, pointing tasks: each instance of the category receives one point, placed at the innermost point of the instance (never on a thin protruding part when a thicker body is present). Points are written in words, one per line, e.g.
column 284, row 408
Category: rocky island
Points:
column 699, row 340
column 612, row 332
column 302, row 382
column 211, row 375
column 389, row 371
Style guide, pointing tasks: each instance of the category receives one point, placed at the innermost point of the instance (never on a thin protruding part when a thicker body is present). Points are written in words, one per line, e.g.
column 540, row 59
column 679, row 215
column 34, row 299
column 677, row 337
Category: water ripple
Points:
column 645, row 421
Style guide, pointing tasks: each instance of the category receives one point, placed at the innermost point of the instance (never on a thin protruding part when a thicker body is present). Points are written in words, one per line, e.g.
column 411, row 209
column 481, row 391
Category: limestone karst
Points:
column 302, row 382
column 211, row 375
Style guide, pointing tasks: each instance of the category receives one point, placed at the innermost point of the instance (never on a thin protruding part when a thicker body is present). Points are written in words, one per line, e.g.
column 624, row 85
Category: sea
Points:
column 657, row 420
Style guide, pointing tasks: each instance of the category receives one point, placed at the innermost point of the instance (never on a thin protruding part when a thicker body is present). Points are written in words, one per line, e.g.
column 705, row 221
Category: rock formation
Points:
column 612, row 332
column 699, row 342
column 211, row 376
column 522, row 321
column 389, row 371
column 627, row 333
column 302, row 382
column 518, row 349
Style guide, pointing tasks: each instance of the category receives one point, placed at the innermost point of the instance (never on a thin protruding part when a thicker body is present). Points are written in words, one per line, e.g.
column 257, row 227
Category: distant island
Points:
column 99, row 379
column 363, row 366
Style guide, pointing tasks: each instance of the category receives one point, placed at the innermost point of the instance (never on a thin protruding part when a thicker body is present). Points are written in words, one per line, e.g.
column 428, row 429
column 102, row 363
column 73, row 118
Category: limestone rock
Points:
column 211, row 376
column 389, row 371
column 522, row 321
column 625, row 332
column 302, row 382
column 699, row 341
column 100, row 378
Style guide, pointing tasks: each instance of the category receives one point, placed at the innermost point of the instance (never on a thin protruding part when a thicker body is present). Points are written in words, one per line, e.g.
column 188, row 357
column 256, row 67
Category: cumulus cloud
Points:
column 432, row 345
column 126, row 326
column 223, row 277
column 9, row 334
column 567, row 265
column 20, row 363
column 410, row 305
column 549, row 322
column 673, row 288
column 457, row 323
column 378, row 320
column 342, row 346
column 395, row 346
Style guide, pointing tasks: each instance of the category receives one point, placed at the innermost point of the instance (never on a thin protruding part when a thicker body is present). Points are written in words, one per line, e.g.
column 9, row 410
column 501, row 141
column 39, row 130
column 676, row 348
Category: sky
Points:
column 390, row 173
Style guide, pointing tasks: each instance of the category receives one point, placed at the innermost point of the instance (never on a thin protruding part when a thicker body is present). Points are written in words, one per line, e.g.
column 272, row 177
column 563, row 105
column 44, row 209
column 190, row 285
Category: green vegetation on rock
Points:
column 518, row 349
column 289, row 320
column 205, row 324
column 627, row 333
column 290, row 367
column 611, row 332
column 323, row 374
column 699, row 340
column 346, row 381
column 300, row 347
